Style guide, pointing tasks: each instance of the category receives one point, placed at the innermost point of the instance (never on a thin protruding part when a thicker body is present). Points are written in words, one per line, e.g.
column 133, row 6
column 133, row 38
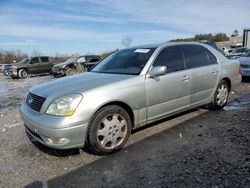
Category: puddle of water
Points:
column 242, row 106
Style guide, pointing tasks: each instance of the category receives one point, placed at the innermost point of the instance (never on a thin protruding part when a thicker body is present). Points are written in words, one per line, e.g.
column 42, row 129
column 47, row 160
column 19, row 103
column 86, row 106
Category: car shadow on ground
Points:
column 69, row 152
column 115, row 170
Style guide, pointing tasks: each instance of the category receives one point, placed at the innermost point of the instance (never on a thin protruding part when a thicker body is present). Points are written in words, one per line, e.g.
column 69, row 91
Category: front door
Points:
column 34, row 65
column 171, row 92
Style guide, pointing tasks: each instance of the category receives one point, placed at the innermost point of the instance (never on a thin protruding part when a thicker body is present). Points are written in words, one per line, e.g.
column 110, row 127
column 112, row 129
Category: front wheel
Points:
column 221, row 96
column 22, row 73
column 109, row 130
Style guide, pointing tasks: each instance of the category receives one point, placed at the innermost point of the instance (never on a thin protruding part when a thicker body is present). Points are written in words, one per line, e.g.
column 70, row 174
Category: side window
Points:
column 35, row 60
column 172, row 58
column 44, row 59
column 211, row 57
column 81, row 60
column 94, row 59
column 196, row 56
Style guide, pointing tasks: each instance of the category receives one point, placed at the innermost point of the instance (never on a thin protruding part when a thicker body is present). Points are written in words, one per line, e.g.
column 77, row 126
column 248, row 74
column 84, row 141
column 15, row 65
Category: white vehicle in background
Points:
column 225, row 50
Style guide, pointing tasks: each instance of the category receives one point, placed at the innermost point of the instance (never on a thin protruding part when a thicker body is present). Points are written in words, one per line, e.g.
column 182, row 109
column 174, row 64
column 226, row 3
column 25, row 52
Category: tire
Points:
column 220, row 97
column 70, row 71
column 109, row 130
column 22, row 73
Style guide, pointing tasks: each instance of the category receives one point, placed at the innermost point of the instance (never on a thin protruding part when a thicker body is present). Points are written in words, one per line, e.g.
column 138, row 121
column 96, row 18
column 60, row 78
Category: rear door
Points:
column 204, row 70
column 45, row 64
column 171, row 92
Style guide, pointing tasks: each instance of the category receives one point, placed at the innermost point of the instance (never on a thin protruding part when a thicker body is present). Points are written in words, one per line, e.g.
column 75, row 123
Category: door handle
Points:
column 214, row 71
column 185, row 78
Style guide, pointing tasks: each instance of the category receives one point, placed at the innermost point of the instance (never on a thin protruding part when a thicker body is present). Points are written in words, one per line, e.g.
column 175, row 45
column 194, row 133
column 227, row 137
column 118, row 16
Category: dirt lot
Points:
column 199, row 148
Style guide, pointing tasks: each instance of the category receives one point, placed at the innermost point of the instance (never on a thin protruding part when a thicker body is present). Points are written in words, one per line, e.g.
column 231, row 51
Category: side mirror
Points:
column 157, row 71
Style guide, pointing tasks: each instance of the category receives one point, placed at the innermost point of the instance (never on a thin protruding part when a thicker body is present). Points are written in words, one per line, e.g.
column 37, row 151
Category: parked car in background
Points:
column 235, row 46
column 75, row 65
column 237, row 52
column 128, row 89
column 32, row 65
column 245, row 64
column 5, row 67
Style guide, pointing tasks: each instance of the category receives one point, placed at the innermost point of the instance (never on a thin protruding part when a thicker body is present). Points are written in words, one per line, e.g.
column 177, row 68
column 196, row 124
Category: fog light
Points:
column 58, row 140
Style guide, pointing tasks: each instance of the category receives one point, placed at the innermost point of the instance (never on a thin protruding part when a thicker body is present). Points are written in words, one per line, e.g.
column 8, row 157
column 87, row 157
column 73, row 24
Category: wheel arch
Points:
column 121, row 104
column 23, row 68
column 228, row 81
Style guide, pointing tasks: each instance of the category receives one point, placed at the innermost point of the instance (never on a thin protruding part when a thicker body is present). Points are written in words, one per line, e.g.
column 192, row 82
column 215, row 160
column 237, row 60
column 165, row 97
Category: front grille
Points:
column 245, row 66
column 35, row 102
column 56, row 69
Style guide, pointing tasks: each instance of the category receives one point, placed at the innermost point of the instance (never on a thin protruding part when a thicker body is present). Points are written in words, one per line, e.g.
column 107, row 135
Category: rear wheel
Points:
column 221, row 96
column 109, row 130
column 22, row 73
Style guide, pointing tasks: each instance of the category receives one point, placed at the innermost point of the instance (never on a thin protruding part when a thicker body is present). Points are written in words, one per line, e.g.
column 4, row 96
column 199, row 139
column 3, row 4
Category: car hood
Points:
column 63, row 64
column 77, row 84
column 244, row 60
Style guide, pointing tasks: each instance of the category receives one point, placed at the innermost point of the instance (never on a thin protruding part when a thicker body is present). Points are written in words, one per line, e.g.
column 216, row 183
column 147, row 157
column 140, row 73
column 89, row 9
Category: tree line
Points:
column 219, row 37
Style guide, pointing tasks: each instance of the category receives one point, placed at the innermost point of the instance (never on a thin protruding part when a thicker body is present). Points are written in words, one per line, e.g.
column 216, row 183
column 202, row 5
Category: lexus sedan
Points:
column 128, row 89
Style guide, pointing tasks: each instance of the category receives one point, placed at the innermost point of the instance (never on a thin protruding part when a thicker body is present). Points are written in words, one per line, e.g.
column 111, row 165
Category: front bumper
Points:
column 69, row 136
column 11, row 73
column 245, row 71
column 57, row 72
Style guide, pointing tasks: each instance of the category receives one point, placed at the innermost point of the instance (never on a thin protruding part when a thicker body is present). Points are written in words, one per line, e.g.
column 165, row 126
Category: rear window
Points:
column 44, row 59
column 211, row 57
column 196, row 56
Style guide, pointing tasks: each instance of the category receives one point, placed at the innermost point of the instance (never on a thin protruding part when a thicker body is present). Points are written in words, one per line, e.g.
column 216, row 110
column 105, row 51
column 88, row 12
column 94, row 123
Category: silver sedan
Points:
column 128, row 89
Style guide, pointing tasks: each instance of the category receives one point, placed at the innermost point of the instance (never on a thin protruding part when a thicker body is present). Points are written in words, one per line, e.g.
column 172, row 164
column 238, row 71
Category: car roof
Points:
column 158, row 45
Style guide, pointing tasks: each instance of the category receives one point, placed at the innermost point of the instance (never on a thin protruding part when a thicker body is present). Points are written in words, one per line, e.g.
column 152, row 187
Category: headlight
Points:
column 64, row 106
column 13, row 67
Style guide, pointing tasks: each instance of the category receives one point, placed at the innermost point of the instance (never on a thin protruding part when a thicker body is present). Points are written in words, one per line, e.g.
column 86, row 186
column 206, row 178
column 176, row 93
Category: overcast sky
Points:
column 70, row 26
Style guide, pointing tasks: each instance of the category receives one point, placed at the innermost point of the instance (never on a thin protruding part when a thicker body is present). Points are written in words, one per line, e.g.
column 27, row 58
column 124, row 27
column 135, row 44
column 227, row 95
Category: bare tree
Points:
column 126, row 41
column 11, row 56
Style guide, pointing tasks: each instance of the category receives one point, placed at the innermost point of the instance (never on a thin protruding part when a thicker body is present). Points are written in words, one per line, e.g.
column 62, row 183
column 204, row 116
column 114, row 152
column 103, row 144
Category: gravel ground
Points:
column 199, row 148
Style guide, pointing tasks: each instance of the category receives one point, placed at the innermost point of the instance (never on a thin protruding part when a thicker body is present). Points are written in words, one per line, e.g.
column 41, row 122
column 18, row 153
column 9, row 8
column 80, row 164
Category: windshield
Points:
column 128, row 61
column 239, row 50
column 71, row 59
column 247, row 54
column 24, row 61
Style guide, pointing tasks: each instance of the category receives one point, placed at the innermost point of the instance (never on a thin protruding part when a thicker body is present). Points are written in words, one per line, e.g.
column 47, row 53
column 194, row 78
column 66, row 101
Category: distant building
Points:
column 246, row 38
column 231, row 43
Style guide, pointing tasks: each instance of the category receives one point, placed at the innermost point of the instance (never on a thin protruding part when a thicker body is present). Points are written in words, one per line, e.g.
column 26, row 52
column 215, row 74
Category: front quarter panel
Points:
column 130, row 92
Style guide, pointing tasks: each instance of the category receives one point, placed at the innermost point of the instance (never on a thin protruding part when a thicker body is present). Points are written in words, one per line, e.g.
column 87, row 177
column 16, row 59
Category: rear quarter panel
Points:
column 230, row 68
